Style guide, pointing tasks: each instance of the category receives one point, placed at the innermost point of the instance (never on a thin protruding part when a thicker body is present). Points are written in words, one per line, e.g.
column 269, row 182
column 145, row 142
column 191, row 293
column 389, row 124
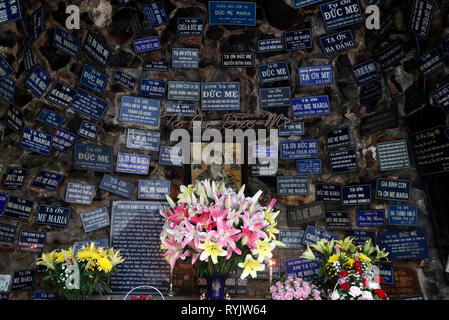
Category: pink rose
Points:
column 341, row 281
column 289, row 296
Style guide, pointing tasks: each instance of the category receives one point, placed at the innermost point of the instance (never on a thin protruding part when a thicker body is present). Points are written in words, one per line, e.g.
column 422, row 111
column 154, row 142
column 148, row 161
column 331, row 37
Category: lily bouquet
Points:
column 351, row 270
column 219, row 230
column 79, row 276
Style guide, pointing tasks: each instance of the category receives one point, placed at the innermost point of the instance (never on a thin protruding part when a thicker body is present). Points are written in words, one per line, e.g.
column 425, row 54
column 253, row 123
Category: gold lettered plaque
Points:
column 406, row 283
column 219, row 162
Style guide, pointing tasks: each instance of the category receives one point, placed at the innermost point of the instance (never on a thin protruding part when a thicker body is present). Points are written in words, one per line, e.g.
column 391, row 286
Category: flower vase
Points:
column 216, row 286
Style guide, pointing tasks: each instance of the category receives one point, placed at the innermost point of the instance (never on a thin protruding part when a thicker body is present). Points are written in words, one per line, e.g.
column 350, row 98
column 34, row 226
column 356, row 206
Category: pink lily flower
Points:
column 226, row 234
column 192, row 234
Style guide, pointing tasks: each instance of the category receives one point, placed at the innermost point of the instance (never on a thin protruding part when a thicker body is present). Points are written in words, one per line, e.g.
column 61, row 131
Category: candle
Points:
column 271, row 271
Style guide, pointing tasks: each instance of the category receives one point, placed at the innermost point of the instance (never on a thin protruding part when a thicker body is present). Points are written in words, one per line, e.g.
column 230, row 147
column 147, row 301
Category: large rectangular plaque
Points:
column 341, row 13
column 237, row 13
column 404, row 245
column 135, row 231
column 403, row 215
column 93, row 158
column 220, row 96
column 431, row 148
column 302, row 268
column 393, row 155
column 272, row 72
column 305, row 213
column 53, row 215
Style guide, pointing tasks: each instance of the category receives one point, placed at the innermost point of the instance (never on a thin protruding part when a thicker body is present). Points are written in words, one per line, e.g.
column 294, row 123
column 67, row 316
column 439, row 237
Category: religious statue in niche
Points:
column 217, row 165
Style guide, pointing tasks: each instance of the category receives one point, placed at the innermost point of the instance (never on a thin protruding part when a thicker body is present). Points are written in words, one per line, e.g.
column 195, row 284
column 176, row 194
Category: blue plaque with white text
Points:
column 63, row 140
column 61, row 94
column 46, row 180
column 79, row 193
column 390, row 55
column 365, row 72
column 9, row 11
column 3, row 201
column 18, row 208
column 190, row 27
column 291, row 238
column 143, row 140
column 139, row 111
column 93, row 78
column 153, row 189
column 293, row 185
column 180, row 109
column 38, row 81
column 356, row 195
column 39, row 295
column 310, row 106
column 272, row 72
column 7, row 88
column 387, row 273
column 152, row 88
column 132, row 163
column 117, row 186
column 93, row 158
column 304, row 3
column 404, row 245
column 155, row 14
column 421, row 17
column 88, row 130
column 237, row 13
column 36, row 141
column 124, row 79
column 50, row 118
column 291, row 129
column 270, row 45
column 157, row 66
column 183, row 90
column 185, row 58
column 441, row 97
column 95, row 219
column 312, row 235
column 312, row 166
column 32, row 241
column 89, row 104
column 53, row 215
column 403, row 215
column 298, row 39
column 430, row 62
column 220, row 96
column 393, row 189
column 5, row 68
column 171, row 156
column 299, row 149
column 302, row 268
column 341, row 13
column 338, row 138
column 96, row 49
column 146, row 44
column 370, row 218
column 7, row 233
column 64, row 41
column 338, row 42
column 274, row 97
column 316, row 75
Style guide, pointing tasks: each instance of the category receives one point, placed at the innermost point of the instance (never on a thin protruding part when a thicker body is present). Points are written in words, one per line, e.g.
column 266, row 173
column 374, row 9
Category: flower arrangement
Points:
column 219, row 230
column 79, row 276
column 293, row 288
column 349, row 268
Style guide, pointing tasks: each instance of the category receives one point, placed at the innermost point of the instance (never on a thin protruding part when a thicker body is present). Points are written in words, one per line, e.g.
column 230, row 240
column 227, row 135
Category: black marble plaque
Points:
column 431, row 148
column 328, row 192
column 337, row 220
column 378, row 122
column 135, row 230
column 23, row 280
column 305, row 213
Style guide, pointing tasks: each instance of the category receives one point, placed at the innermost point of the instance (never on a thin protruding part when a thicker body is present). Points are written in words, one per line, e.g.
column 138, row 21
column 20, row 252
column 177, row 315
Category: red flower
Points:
column 357, row 264
column 378, row 279
column 345, row 286
column 365, row 282
column 343, row 273
column 381, row 293
column 359, row 271
column 140, row 298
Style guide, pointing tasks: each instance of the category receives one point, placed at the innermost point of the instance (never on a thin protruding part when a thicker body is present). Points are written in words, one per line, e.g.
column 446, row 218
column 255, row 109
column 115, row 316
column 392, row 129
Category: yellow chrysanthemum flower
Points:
column 364, row 257
column 333, row 258
column 104, row 265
